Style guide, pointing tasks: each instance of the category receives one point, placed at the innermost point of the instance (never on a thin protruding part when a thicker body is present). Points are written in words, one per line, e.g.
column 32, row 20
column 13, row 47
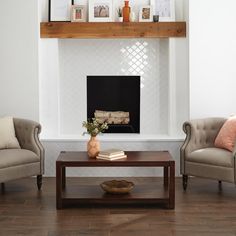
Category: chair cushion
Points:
column 7, row 134
column 212, row 156
column 15, row 157
column 227, row 135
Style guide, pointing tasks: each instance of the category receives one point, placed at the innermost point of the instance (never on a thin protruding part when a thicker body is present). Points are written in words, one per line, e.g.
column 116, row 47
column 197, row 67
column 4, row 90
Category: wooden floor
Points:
column 202, row 210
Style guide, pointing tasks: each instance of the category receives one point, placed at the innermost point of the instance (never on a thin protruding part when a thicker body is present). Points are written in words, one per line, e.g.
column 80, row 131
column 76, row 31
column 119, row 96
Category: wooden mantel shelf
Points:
column 112, row 30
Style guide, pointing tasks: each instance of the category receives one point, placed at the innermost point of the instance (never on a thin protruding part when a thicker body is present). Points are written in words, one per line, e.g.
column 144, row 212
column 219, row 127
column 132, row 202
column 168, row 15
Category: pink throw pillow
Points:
column 227, row 136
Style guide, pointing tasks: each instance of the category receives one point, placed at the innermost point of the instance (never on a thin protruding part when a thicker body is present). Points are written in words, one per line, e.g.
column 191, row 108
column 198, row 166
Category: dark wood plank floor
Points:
column 202, row 210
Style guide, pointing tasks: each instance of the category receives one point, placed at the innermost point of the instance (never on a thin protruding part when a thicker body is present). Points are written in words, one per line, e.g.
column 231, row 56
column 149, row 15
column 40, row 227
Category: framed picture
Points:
column 164, row 8
column 100, row 11
column 59, row 10
column 146, row 14
column 78, row 13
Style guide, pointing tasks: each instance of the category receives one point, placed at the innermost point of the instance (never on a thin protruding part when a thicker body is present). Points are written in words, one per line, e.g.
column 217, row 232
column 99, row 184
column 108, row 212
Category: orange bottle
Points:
column 126, row 12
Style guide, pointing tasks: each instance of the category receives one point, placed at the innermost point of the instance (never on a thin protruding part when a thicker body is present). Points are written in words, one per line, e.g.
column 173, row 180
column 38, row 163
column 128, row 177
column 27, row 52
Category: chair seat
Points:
column 15, row 157
column 212, row 156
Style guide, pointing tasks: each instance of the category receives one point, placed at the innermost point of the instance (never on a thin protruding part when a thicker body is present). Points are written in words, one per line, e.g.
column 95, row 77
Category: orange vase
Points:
column 126, row 12
column 93, row 147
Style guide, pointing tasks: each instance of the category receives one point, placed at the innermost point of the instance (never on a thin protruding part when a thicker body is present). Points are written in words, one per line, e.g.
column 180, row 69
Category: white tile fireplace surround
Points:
column 63, row 83
column 63, row 101
column 64, row 66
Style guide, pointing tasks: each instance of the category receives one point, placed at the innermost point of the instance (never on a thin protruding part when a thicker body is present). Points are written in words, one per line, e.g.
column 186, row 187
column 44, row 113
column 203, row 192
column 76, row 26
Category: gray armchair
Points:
column 199, row 156
column 27, row 161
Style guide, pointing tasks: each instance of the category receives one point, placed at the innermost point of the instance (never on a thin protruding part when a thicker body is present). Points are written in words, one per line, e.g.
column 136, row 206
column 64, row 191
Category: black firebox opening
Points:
column 115, row 94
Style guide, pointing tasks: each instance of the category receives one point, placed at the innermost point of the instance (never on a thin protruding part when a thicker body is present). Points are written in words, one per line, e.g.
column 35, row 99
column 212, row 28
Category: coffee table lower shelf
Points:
column 153, row 193
column 141, row 194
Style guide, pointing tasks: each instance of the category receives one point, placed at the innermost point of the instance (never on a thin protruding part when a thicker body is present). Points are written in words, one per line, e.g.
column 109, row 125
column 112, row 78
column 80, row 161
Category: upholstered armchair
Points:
column 26, row 161
column 199, row 156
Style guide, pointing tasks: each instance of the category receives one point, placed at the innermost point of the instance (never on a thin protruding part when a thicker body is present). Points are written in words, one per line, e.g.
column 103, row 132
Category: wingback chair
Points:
column 199, row 156
column 27, row 161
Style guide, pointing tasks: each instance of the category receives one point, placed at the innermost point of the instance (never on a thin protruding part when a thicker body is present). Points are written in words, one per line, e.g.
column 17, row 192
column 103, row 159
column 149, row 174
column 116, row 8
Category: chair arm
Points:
column 27, row 133
column 200, row 133
column 234, row 151
column 234, row 157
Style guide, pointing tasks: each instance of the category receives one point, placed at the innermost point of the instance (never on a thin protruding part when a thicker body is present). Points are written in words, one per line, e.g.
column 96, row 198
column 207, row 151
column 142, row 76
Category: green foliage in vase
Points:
column 93, row 127
column 119, row 12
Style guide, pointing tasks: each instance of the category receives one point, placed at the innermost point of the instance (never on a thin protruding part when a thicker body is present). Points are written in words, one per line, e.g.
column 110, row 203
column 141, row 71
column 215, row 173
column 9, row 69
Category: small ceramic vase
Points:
column 156, row 18
column 126, row 12
column 132, row 16
column 120, row 19
column 93, row 147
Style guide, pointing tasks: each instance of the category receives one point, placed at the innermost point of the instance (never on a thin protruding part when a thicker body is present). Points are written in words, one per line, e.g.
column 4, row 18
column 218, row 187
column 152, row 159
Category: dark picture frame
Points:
column 59, row 10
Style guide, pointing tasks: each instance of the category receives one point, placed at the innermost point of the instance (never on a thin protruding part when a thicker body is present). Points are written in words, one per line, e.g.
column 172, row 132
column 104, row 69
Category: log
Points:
column 119, row 114
column 112, row 117
column 101, row 114
column 117, row 121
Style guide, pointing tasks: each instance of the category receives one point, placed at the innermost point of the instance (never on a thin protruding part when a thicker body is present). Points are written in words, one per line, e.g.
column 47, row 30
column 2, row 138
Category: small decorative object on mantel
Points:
column 155, row 18
column 94, row 128
column 117, row 186
column 132, row 17
column 119, row 13
column 126, row 12
column 78, row 13
column 59, row 10
column 146, row 14
column 100, row 11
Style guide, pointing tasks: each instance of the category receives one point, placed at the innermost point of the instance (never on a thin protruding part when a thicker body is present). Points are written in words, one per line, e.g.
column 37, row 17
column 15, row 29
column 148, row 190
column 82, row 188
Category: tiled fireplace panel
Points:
column 145, row 57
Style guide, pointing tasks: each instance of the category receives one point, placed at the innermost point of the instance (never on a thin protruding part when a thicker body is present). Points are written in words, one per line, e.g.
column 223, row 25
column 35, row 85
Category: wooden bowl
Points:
column 117, row 186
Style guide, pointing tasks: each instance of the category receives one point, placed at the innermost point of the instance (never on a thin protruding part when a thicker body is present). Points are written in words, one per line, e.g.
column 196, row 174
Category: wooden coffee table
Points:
column 65, row 195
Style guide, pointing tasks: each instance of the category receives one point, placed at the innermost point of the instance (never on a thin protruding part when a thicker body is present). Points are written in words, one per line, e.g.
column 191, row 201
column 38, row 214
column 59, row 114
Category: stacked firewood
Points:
column 112, row 117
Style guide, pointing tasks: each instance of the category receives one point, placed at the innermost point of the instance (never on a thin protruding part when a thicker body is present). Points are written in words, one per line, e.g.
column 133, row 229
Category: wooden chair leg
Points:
column 39, row 181
column 2, row 187
column 220, row 184
column 185, row 182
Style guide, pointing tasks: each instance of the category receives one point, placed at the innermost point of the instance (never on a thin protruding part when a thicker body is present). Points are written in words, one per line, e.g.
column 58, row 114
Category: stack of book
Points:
column 111, row 154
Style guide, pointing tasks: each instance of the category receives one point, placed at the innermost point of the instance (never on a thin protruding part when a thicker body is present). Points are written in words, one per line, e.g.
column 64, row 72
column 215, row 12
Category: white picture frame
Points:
column 78, row 13
column 59, row 10
column 164, row 8
column 146, row 13
column 100, row 10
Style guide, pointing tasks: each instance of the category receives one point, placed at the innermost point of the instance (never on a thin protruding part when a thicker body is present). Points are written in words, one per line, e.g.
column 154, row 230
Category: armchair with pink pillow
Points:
column 209, row 149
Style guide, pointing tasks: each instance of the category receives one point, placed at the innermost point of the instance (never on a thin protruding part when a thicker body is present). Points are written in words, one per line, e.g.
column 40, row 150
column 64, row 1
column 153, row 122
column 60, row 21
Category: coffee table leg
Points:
column 58, row 185
column 63, row 177
column 172, row 186
column 166, row 174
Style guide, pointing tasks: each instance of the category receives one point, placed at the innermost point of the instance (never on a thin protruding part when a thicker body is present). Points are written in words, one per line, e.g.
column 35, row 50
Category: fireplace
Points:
column 115, row 100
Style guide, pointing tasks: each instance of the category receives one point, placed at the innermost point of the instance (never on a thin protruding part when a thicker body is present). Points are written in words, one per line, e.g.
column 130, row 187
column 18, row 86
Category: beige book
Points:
column 111, row 151
column 112, row 158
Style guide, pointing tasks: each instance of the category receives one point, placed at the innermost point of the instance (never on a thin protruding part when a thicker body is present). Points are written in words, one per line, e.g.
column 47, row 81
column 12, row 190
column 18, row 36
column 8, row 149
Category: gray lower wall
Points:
column 53, row 148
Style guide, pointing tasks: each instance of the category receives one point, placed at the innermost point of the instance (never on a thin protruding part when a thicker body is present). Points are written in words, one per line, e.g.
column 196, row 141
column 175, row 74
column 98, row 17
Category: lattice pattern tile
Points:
column 79, row 58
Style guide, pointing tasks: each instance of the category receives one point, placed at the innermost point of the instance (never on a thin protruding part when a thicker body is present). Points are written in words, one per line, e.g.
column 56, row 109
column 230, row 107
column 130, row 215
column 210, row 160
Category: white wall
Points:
column 212, row 46
column 19, row 59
